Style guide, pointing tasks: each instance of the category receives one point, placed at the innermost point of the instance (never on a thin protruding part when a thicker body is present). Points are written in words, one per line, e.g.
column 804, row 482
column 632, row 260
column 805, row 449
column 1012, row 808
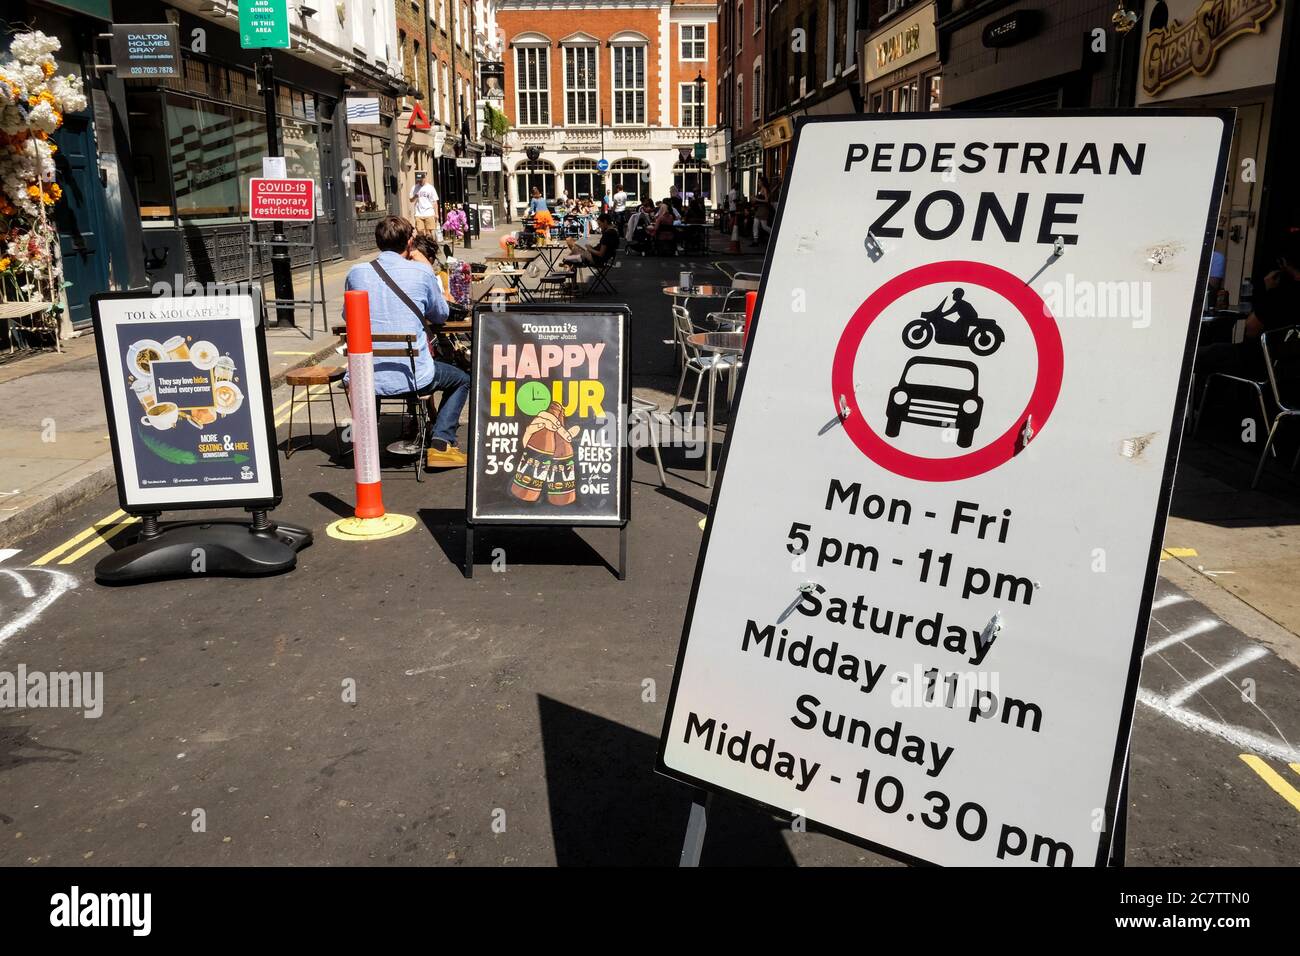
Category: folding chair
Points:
column 645, row 410
column 415, row 403
column 599, row 279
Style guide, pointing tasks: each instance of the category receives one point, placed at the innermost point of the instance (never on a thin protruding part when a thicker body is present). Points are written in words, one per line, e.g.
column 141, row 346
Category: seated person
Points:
column 420, row 301
column 602, row 252
column 1275, row 306
column 661, row 230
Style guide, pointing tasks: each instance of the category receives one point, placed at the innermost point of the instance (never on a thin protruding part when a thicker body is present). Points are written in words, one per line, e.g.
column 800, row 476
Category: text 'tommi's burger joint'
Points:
column 1216, row 53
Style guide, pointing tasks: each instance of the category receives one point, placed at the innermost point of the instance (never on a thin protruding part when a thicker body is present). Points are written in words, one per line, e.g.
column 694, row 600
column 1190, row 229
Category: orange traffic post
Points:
column 751, row 300
column 369, row 520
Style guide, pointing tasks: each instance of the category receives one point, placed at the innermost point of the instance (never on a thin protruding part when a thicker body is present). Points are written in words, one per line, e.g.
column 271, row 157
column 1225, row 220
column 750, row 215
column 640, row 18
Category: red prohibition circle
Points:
column 1047, row 386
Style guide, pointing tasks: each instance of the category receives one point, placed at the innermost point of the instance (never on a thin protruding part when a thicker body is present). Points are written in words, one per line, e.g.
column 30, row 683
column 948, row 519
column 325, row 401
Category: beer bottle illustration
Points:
column 546, row 463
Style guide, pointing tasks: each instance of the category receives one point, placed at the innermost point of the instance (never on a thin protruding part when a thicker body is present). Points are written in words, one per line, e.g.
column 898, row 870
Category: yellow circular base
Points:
column 703, row 522
column 370, row 529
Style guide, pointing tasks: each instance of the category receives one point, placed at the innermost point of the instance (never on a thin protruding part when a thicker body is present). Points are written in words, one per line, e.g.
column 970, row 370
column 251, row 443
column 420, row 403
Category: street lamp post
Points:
column 699, row 131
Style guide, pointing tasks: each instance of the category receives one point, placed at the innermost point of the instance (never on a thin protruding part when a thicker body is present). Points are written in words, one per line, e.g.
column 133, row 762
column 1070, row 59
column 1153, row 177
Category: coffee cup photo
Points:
column 161, row 416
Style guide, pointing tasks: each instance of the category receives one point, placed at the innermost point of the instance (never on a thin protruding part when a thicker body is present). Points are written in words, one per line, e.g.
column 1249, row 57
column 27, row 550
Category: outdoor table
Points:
column 698, row 291
column 720, row 344
column 514, row 280
column 550, row 253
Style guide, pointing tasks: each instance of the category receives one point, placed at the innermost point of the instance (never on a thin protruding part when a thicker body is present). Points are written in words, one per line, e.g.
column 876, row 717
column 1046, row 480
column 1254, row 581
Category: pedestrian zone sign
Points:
column 921, row 602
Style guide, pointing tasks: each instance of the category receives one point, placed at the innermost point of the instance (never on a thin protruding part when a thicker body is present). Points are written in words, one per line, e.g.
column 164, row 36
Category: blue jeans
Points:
column 454, row 385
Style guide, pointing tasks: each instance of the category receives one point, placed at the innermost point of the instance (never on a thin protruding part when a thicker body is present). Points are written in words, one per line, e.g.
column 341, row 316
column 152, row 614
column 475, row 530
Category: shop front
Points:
column 748, row 164
column 1208, row 53
column 372, row 146
column 776, row 138
column 197, row 140
column 1035, row 55
column 902, row 65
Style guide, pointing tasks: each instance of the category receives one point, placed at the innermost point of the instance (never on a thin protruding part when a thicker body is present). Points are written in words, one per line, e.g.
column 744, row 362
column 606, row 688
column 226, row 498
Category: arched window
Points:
column 693, row 178
column 581, row 52
column 582, row 180
column 530, row 173
column 632, row 176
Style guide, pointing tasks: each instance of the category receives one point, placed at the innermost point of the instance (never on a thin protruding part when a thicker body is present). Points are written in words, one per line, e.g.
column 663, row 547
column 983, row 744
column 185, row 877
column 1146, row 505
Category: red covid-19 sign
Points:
column 293, row 199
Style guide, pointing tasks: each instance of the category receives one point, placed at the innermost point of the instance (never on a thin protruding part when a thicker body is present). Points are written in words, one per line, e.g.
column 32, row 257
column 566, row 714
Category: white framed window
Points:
column 830, row 40
column 464, row 25
column 532, row 85
column 694, row 41
column 850, row 35
column 758, row 15
column 692, row 112
column 740, row 96
column 580, row 85
column 758, row 89
column 435, row 102
column 446, row 96
column 629, row 84
column 740, row 25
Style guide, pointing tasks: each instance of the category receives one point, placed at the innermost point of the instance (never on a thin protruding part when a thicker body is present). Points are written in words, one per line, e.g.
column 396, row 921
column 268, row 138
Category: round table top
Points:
column 699, row 291
column 722, row 342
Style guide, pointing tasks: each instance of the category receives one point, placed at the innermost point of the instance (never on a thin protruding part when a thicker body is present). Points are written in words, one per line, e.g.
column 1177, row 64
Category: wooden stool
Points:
column 306, row 378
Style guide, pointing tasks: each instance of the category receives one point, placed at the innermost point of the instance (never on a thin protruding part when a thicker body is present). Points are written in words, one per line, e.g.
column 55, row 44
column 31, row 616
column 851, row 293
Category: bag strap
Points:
column 397, row 290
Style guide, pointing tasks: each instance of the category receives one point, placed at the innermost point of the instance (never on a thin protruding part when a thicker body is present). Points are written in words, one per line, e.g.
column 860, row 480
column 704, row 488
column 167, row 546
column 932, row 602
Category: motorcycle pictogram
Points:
column 981, row 335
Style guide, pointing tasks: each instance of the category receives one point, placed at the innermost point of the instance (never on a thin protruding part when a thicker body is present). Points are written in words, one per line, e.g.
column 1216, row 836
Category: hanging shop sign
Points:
column 146, row 50
column 776, row 132
column 901, row 43
column 922, row 598
column 1181, row 49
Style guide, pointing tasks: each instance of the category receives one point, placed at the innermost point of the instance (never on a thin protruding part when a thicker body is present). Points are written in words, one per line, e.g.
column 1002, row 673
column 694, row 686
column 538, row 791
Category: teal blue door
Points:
column 79, row 217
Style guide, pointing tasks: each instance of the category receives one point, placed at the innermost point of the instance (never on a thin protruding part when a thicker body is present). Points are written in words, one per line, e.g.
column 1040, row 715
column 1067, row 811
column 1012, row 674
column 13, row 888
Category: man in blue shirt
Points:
column 389, row 313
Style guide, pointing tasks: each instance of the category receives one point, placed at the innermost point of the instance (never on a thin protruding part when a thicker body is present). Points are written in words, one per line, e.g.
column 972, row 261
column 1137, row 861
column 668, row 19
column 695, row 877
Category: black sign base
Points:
column 468, row 568
column 228, row 547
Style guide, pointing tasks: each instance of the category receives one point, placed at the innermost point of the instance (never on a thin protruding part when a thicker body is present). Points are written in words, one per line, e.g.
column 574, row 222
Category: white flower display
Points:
column 33, row 102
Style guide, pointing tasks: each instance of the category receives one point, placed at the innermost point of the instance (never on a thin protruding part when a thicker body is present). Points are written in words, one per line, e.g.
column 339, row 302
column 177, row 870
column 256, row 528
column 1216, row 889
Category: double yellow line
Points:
column 1281, row 786
column 111, row 525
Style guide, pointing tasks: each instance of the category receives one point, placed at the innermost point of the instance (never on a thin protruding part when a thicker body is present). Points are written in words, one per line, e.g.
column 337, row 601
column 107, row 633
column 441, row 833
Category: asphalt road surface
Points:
column 509, row 719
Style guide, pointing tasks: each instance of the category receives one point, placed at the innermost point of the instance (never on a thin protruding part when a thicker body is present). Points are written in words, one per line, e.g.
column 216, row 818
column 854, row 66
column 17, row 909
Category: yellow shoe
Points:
column 450, row 457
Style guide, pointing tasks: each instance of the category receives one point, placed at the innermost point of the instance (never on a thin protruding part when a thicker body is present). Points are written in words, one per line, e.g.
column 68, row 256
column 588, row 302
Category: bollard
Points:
column 365, row 429
column 734, row 244
column 369, row 521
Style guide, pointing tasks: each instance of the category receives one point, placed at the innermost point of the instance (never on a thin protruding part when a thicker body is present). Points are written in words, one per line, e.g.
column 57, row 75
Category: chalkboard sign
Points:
column 548, row 411
column 472, row 220
column 188, row 399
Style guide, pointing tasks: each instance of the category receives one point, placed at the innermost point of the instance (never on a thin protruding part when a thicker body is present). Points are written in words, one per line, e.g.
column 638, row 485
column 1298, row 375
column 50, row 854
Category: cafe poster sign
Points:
column 922, row 597
column 548, row 408
column 188, row 400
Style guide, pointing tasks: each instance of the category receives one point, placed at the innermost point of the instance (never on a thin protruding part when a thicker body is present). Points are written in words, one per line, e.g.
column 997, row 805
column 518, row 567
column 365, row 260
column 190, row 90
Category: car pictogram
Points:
column 941, row 393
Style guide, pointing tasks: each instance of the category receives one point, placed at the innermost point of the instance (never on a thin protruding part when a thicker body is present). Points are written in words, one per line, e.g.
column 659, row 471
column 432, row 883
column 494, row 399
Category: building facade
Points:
column 630, row 83
column 1243, row 51
column 193, row 142
column 811, row 68
column 1035, row 54
column 742, row 104
column 901, row 69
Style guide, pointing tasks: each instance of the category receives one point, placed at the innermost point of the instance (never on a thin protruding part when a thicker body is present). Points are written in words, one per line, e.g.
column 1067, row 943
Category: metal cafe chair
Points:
column 694, row 359
column 1281, row 355
column 644, row 410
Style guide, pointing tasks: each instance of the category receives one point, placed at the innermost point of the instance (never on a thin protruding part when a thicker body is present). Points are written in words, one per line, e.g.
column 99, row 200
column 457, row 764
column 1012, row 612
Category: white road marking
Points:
column 61, row 582
column 7, row 553
column 1187, row 633
column 1237, row 736
column 1168, row 600
column 1238, row 662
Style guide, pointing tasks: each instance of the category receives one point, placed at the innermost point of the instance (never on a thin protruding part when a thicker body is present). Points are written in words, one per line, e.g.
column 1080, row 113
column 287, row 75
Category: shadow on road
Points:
column 609, row 807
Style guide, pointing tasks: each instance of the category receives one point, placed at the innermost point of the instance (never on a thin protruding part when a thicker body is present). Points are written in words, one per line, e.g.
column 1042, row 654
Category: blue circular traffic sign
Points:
column 602, row 164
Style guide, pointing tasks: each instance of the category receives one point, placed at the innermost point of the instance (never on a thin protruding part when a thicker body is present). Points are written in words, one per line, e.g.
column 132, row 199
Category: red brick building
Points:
column 632, row 82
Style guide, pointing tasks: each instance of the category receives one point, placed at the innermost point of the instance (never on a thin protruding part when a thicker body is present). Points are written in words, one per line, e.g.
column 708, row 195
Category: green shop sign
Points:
column 263, row 23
